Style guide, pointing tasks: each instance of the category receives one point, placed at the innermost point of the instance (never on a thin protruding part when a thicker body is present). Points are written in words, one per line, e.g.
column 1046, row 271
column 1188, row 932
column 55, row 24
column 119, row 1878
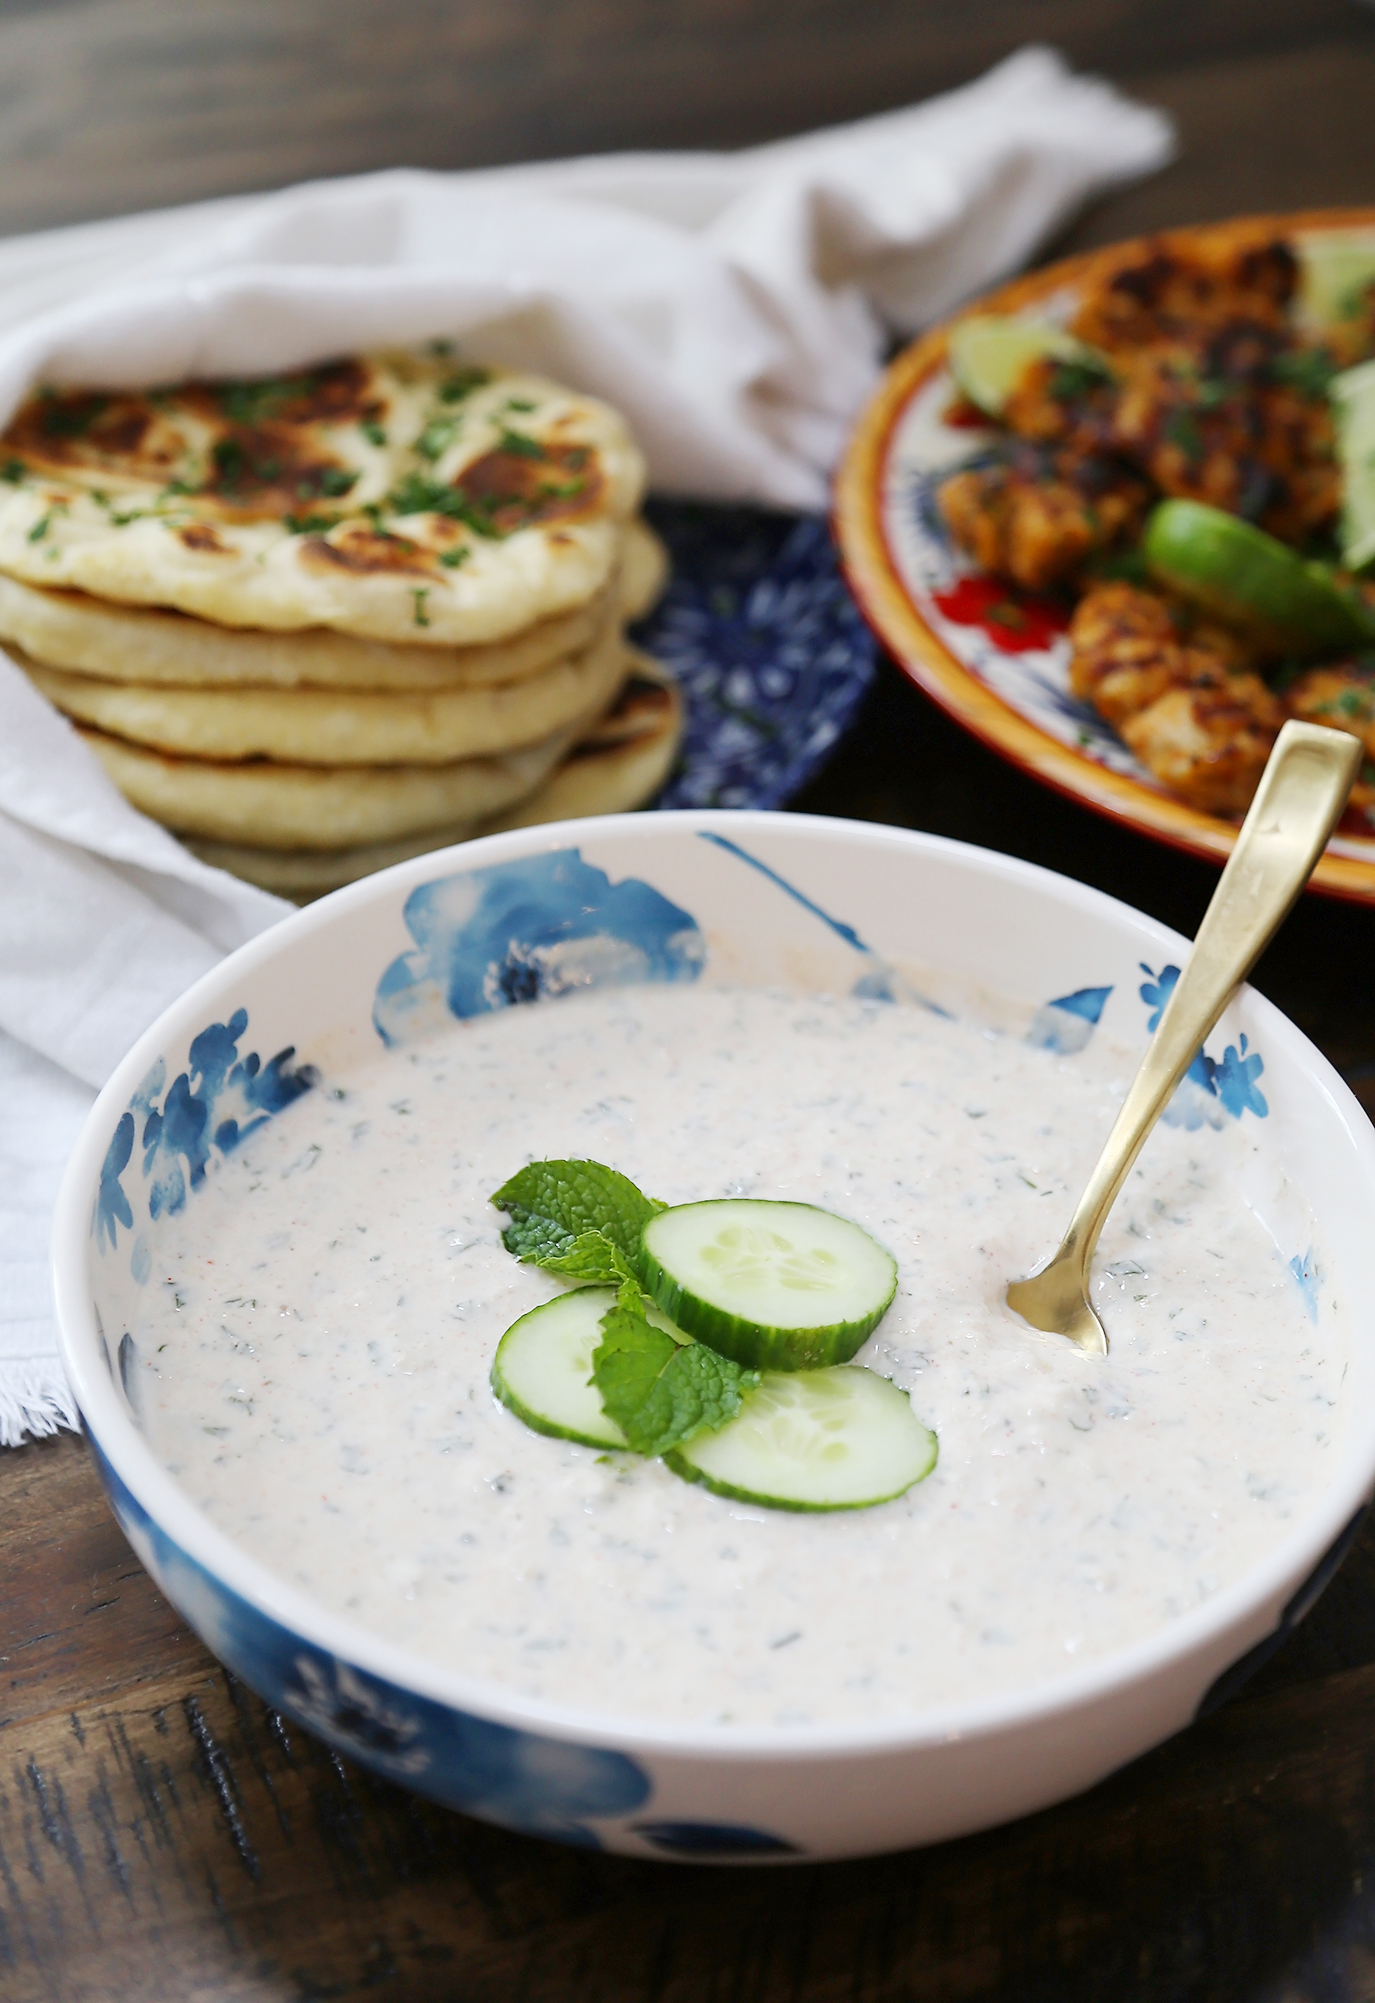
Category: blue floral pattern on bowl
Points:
column 211, row 1107
column 1066, row 1024
column 1212, row 1087
column 547, row 1787
column 529, row 931
column 522, row 1780
column 768, row 646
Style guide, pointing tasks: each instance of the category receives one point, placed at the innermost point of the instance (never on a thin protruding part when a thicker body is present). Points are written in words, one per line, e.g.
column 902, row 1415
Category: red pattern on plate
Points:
column 1013, row 621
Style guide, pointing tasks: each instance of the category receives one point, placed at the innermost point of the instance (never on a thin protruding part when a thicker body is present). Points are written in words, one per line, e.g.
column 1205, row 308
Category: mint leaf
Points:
column 554, row 1203
column 591, row 1258
column 659, row 1392
column 628, row 1363
column 583, row 1221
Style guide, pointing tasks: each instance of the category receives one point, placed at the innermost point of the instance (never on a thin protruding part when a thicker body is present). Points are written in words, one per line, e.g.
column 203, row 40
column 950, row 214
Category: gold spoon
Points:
column 1298, row 803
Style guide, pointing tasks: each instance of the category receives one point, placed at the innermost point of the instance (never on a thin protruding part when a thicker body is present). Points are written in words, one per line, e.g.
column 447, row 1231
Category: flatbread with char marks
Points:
column 151, row 647
column 399, row 497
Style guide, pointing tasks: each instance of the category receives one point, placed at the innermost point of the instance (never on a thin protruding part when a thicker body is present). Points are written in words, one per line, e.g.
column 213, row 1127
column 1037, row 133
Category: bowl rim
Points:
column 1112, row 1675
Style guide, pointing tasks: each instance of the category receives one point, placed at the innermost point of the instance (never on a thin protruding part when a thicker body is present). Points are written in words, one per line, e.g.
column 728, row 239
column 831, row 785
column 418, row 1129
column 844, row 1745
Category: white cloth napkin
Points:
column 104, row 920
column 735, row 306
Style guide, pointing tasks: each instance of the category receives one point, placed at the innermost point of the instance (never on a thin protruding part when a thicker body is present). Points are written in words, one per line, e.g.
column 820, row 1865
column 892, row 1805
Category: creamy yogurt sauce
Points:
column 323, row 1315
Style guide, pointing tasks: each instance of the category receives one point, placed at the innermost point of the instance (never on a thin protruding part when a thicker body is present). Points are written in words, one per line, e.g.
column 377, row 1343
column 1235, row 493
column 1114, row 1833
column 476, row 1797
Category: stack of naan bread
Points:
column 320, row 622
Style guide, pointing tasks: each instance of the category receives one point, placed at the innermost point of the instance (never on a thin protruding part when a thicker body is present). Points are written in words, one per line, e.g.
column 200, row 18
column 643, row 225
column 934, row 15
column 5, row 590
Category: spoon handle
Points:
column 1300, row 798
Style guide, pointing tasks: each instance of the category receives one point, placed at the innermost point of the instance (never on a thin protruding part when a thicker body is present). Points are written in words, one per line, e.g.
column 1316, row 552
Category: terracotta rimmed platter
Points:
column 995, row 659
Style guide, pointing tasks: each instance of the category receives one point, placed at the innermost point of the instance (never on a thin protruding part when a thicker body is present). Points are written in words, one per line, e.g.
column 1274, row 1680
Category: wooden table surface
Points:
column 162, row 1835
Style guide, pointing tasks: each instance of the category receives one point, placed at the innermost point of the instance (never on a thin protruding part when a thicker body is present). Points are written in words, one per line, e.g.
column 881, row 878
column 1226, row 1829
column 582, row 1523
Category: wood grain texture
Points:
column 161, row 1835
column 1277, row 129
column 109, row 105
column 166, row 1836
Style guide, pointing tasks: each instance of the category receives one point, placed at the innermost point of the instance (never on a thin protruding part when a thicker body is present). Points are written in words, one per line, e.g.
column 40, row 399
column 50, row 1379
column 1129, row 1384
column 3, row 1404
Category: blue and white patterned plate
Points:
column 768, row 646
column 997, row 659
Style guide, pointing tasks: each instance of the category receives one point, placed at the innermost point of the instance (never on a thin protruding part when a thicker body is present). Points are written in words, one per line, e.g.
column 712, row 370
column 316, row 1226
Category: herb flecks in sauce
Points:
column 1045, row 1536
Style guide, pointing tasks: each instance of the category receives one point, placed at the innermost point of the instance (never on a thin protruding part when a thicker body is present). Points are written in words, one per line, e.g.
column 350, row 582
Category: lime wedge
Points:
column 1251, row 582
column 989, row 351
column 1335, row 270
column 1353, row 413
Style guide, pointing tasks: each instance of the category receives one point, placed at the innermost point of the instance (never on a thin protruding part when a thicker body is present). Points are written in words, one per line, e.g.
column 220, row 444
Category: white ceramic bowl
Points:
column 521, row 916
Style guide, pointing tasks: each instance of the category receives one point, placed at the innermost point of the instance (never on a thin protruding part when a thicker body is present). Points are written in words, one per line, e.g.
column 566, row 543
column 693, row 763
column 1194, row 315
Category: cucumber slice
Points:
column 814, row 1439
column 1251, row 581
column 776, row 1286
column 989, row 351
column 543, row 1369
column 1336, row 270
column 1353, row 411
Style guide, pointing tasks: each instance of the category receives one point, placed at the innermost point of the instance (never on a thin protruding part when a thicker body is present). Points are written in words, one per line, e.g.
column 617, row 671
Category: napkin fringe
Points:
column 35, row 1400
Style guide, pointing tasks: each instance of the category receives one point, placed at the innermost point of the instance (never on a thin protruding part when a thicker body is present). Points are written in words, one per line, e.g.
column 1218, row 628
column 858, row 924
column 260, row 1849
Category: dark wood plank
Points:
column 109, row 105
column 166, row 1836
column 1263, row 131
column 78, row 1613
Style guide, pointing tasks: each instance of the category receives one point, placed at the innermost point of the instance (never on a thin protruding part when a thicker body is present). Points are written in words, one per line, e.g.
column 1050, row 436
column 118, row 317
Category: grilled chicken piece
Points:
column 1341, row 696
column 1063, row 403
column 1209, row 739
column 1250, row 275
column 1033, row 532
column 1126, row 650
column 1037, row 529
column 1236, row 417
column 1184, row 697
column 1128, row 646
column 1232, row 413
column 1213, row 395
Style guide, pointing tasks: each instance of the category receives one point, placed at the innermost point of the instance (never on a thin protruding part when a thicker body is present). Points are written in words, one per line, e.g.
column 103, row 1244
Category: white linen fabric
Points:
column 735, row 306
column 104, row 920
